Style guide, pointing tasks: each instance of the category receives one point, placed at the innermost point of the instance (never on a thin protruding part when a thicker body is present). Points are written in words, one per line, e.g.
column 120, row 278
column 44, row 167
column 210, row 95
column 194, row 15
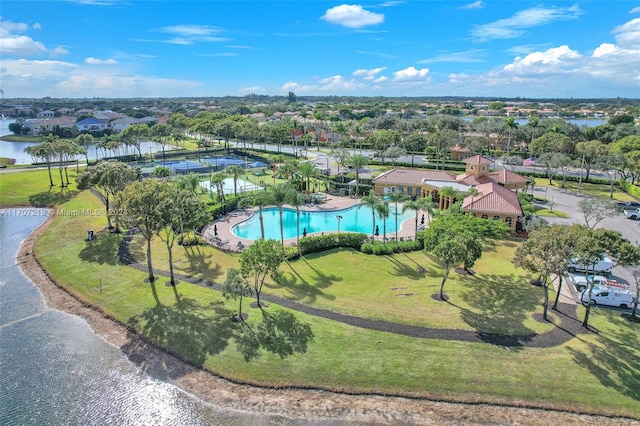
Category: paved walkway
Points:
column 568, row 327
column 219, row 232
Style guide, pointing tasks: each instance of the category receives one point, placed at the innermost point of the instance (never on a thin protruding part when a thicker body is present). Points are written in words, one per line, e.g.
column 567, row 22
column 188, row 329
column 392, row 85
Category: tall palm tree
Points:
column 383, row 213
column 279, row 196
column 217, row 179
column 357, row 161
column 307, row 171
column 235, row 171
column 396, row 197
column 258, row 199
column 420, row 204
column 296, row 199
column 447, row 195
column 511, row 125
column 371, row 200
column 190, row 182
column 534, row 123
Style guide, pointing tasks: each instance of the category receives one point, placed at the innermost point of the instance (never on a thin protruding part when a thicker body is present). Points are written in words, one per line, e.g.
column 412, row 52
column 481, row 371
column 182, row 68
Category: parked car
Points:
column 581, row 282
column 608, row 296
column 628, row 205
column 602, row 267
column 633, row 214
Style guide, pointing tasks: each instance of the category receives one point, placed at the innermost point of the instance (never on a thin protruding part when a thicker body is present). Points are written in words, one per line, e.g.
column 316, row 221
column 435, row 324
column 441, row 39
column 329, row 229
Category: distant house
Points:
column 459, row 152
column 496, row 198
column 91, row 125
column 42, row 126
column 45, row 114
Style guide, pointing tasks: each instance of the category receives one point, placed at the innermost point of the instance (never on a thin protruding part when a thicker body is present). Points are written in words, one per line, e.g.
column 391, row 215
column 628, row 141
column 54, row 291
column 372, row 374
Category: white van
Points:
column 581, row 282
column 603, row 267
column 609, row 296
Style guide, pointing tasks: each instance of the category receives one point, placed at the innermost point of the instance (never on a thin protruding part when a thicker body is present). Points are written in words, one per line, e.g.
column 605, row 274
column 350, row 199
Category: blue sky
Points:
column 113, row 48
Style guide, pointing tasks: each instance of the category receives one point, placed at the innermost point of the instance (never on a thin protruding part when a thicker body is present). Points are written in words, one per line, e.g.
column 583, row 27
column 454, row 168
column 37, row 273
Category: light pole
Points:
column 339, row 218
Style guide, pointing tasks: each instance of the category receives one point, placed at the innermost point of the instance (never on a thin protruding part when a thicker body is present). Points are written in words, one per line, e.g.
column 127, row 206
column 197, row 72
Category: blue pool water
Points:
column 354, row 219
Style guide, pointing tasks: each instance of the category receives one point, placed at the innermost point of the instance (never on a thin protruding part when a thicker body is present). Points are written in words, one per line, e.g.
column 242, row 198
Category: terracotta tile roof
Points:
column 493, row 199
column 413, row 176
column 477, row 159
column 504, row 176
column 471, row 180
column 460, row 148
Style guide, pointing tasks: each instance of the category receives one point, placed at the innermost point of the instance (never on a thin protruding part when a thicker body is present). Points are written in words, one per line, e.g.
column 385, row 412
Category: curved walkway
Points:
column 568, row 328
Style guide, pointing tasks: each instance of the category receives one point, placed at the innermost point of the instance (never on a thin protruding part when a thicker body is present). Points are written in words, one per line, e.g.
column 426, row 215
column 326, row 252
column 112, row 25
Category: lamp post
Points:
column 339, row 218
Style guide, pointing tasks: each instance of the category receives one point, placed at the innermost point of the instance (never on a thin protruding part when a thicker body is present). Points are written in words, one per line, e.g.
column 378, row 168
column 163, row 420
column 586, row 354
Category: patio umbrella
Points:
column 215, row 230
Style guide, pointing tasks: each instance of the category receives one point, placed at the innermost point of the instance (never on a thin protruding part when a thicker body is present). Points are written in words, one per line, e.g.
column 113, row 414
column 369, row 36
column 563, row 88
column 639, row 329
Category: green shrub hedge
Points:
column 325, row 242
column 378, row 247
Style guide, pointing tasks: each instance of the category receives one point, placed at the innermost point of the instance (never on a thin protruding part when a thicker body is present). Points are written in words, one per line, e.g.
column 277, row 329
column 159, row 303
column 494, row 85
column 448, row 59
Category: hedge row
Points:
column 325, row 242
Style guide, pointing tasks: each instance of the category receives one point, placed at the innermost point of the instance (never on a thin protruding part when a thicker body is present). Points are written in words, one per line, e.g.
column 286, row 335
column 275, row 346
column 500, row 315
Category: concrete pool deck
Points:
column 226, row 240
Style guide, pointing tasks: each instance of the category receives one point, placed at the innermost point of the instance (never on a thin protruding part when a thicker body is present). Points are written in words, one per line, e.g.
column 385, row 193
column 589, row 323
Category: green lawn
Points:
column 587, row 189
column 31, row 188
column 593, row 372
column 550, row 213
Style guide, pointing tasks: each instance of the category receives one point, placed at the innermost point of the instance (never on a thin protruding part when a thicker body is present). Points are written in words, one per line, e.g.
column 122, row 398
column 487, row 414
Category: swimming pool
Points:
column 354, row 219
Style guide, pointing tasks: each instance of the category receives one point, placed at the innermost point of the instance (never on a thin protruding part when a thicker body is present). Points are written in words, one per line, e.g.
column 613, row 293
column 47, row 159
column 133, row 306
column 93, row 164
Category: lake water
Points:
column 587, row 122
column 15, row 150
column 57, row 371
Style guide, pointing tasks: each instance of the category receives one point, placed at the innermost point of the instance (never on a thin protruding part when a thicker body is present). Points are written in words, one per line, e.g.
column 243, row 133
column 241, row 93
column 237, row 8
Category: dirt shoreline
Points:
column 293, row 404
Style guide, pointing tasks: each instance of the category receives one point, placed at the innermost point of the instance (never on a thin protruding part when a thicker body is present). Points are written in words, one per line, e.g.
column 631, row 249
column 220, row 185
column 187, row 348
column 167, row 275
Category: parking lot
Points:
column 568, row 202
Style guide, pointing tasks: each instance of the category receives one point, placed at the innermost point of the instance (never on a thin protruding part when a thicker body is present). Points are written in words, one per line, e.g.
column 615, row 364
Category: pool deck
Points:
column 226, row 240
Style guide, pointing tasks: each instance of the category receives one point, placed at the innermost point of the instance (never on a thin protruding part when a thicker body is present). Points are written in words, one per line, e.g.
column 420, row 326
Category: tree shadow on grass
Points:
column 198, row 264
column 51, row 198
column 499, row 307
column 301, row 289
column 279, row 332
column 405, row 270
column 103, row 249
column 186, row 328
column 613, row 360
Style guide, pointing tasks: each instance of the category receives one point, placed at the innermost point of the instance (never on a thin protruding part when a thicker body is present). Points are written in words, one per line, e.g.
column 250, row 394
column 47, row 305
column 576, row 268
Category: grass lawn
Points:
column 587, row 189
column 550, row 213
column 31, row 188
column 592, row 372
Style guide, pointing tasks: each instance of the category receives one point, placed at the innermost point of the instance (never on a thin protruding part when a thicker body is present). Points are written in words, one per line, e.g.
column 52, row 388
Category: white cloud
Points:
column 64, row 79
column 95, row 61
column 352, row 16
column 411, row 73
column 191, row 30
column 189, row 34
column 634, row 10
column 368, row 74
column 475, row 5
column 23, row 45
column 628, row 34
column 253, row 89
column 517, row 25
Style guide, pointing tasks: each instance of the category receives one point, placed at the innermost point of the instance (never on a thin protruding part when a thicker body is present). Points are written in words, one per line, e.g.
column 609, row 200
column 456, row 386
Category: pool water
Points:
column 354, row 219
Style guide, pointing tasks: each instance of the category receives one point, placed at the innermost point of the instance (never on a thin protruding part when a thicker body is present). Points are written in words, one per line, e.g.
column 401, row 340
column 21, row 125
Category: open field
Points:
column 592, row 372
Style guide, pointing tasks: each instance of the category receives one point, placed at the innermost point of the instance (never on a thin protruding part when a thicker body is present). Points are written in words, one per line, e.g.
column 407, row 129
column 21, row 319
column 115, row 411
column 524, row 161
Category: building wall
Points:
column 500, row 216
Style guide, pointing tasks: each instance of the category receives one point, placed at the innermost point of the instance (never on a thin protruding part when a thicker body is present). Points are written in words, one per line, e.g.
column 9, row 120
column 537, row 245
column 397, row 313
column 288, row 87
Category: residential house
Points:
column 496, row 198
column 91, row 125
column 45, row 114
column 459, row 152
column 42, row 126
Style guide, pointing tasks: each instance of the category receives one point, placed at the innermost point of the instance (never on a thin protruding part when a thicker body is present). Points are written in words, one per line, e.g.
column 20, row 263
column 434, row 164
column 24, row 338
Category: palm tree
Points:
column 258, row 199
column 235, row 171
column 420, row 204
column 396, row 197
column 279, row 196
column 357, row 161
column 534, row 122
column 190, row 182
column 372, row 201
column 307, row 171
column 84, row 140
column 296, row 199
column 217, row 179
column 511, row 125
column 447, row 195
column 383, row 213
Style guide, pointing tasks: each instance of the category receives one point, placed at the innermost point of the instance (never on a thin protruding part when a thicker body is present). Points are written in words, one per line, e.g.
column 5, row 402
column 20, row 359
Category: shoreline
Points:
column 292, row 404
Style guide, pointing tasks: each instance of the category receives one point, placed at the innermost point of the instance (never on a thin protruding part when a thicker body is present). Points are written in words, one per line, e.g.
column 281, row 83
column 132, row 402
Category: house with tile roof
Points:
column 496, row 198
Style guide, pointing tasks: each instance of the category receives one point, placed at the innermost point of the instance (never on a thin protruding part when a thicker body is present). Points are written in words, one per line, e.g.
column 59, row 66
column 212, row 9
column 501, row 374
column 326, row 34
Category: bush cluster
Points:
column 390, row 247
column 325, row 242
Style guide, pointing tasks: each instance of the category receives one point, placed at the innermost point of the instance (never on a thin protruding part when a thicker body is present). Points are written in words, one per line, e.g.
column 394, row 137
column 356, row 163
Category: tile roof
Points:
column 460, row 148
column 477, row 159
column 471, row 180
column 505, row 176
column 493, row 198
column 413, row 176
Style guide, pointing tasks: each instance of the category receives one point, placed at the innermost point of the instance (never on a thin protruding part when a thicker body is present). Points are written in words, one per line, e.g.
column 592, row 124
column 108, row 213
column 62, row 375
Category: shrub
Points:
column 325, row 242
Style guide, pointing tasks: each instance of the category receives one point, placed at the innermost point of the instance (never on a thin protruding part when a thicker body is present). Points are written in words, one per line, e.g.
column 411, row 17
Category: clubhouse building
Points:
column 496, row 190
